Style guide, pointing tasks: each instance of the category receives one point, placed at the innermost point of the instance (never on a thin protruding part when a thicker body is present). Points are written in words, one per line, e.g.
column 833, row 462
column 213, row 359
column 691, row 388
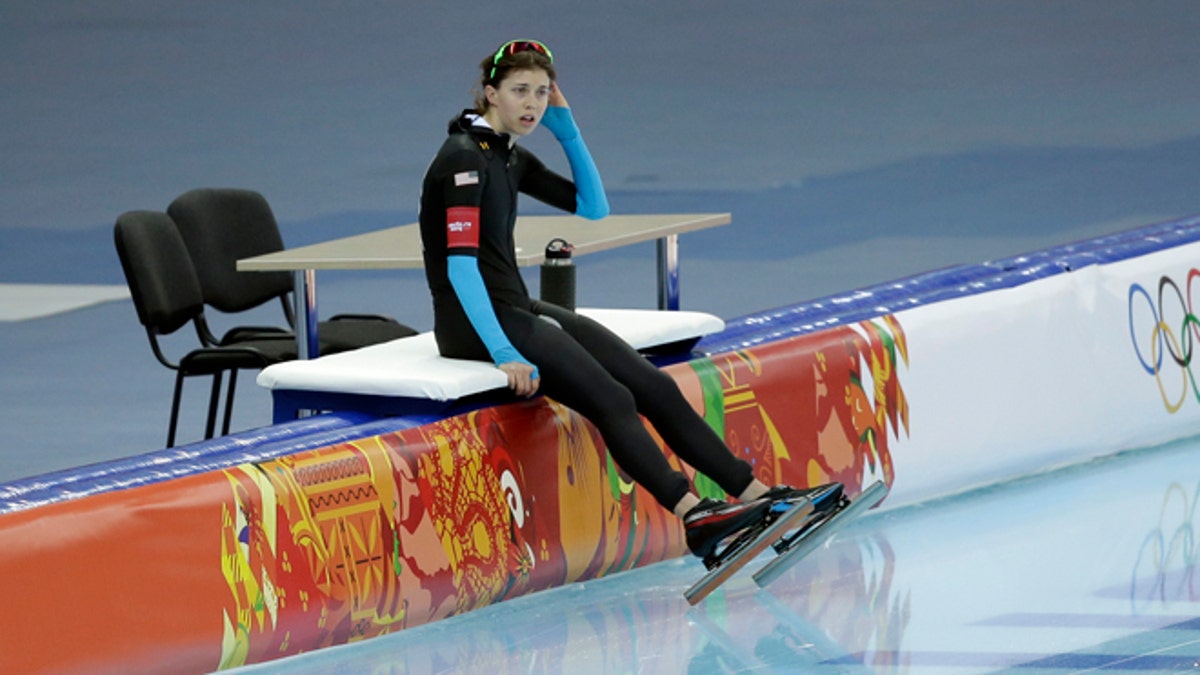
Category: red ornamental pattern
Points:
column 365, row 537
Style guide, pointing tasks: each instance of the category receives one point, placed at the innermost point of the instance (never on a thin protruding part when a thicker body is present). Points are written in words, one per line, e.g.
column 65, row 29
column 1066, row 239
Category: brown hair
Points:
column 524, row 60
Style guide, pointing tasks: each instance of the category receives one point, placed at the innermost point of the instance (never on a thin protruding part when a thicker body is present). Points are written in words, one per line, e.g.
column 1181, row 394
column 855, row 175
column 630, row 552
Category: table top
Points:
column 400, row 247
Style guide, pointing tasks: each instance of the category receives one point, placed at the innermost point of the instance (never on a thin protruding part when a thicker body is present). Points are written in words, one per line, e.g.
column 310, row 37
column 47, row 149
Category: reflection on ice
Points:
column 1165, row 571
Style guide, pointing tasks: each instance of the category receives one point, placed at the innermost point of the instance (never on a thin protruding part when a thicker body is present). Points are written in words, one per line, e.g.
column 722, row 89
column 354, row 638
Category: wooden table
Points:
column 400, row 248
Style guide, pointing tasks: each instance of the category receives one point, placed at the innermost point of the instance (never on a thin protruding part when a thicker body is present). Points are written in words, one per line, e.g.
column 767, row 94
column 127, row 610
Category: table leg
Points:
column 306, row 314
column 668, row 272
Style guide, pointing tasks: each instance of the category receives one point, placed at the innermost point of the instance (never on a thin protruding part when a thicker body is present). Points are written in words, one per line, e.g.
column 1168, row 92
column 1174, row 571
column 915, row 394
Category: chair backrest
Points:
column 158, row 269
column 221, row 226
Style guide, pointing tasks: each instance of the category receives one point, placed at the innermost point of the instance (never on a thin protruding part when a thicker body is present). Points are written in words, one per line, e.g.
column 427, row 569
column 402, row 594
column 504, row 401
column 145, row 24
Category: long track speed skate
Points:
column 792, row 528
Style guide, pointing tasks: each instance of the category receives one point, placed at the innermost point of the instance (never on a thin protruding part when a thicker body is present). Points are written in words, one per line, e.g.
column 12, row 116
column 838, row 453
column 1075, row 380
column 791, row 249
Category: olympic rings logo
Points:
column 1163, row 339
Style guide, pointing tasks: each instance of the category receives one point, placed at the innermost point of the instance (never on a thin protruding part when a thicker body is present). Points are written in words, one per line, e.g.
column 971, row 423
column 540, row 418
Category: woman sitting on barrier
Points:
column 483, row 311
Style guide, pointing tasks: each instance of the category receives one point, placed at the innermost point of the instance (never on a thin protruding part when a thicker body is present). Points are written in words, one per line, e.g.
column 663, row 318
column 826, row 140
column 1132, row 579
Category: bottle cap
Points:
column 558, row 249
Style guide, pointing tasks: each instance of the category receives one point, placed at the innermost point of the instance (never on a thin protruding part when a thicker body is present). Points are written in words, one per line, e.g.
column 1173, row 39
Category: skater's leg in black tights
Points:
column 660, row 401
column 591, row 370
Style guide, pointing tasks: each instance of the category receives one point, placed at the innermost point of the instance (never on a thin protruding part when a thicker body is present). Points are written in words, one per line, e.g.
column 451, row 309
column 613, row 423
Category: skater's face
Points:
column 516, row 104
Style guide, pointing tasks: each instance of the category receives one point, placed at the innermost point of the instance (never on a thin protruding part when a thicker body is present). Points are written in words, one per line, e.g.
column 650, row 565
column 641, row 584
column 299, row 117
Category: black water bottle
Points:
column 558, row 274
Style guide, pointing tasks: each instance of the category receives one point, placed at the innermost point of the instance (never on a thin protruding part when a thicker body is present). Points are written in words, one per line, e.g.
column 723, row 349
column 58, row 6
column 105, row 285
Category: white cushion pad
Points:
column 411, row 367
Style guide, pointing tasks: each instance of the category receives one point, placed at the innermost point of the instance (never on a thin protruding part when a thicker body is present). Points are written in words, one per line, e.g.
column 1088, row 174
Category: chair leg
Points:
column 213, row 398
column 175, row 409
column 229, row 402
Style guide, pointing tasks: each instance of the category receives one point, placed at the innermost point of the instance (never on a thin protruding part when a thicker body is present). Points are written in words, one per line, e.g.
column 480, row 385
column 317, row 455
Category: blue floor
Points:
column 853, row 142
column 1091, row 568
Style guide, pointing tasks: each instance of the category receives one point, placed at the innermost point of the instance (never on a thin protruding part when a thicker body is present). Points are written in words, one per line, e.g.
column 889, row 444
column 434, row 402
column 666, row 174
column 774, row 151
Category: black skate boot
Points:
column 710, row 522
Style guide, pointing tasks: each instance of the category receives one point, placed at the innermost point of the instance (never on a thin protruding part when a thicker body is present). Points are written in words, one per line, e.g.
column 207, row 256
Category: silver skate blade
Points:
column 820, row 534
column 792, row 519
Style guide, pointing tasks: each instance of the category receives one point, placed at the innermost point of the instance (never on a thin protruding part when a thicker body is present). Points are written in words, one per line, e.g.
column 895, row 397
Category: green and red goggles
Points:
column 512, row 47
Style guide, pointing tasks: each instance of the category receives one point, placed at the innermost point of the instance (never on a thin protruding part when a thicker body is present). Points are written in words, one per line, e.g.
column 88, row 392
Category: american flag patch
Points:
column 466, row 178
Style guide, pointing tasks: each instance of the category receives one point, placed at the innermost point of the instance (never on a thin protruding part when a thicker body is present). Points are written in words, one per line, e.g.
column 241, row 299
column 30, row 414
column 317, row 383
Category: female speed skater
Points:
column 483, row 311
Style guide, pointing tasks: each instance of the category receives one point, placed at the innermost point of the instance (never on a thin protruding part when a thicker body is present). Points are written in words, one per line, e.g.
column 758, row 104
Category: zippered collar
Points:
column 471, row 122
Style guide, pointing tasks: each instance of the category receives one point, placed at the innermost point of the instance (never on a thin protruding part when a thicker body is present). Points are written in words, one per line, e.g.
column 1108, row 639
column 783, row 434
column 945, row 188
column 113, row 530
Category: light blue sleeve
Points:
column 463, row 271
column 590, row 200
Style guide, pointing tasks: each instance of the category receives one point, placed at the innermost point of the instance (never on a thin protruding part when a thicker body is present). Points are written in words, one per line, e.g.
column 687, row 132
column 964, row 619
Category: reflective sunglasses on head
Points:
column 514, row 46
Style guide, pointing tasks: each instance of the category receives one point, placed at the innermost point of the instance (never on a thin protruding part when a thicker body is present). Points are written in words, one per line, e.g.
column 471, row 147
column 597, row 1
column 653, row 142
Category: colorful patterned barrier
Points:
column 363, row 537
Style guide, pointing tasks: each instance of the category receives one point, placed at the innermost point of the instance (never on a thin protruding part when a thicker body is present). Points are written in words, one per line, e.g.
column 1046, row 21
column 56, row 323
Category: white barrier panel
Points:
column 1060, row 370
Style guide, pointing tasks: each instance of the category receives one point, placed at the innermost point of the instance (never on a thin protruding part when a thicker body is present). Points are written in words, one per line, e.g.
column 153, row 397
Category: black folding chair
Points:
column 223, row 225
column 167, row 296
